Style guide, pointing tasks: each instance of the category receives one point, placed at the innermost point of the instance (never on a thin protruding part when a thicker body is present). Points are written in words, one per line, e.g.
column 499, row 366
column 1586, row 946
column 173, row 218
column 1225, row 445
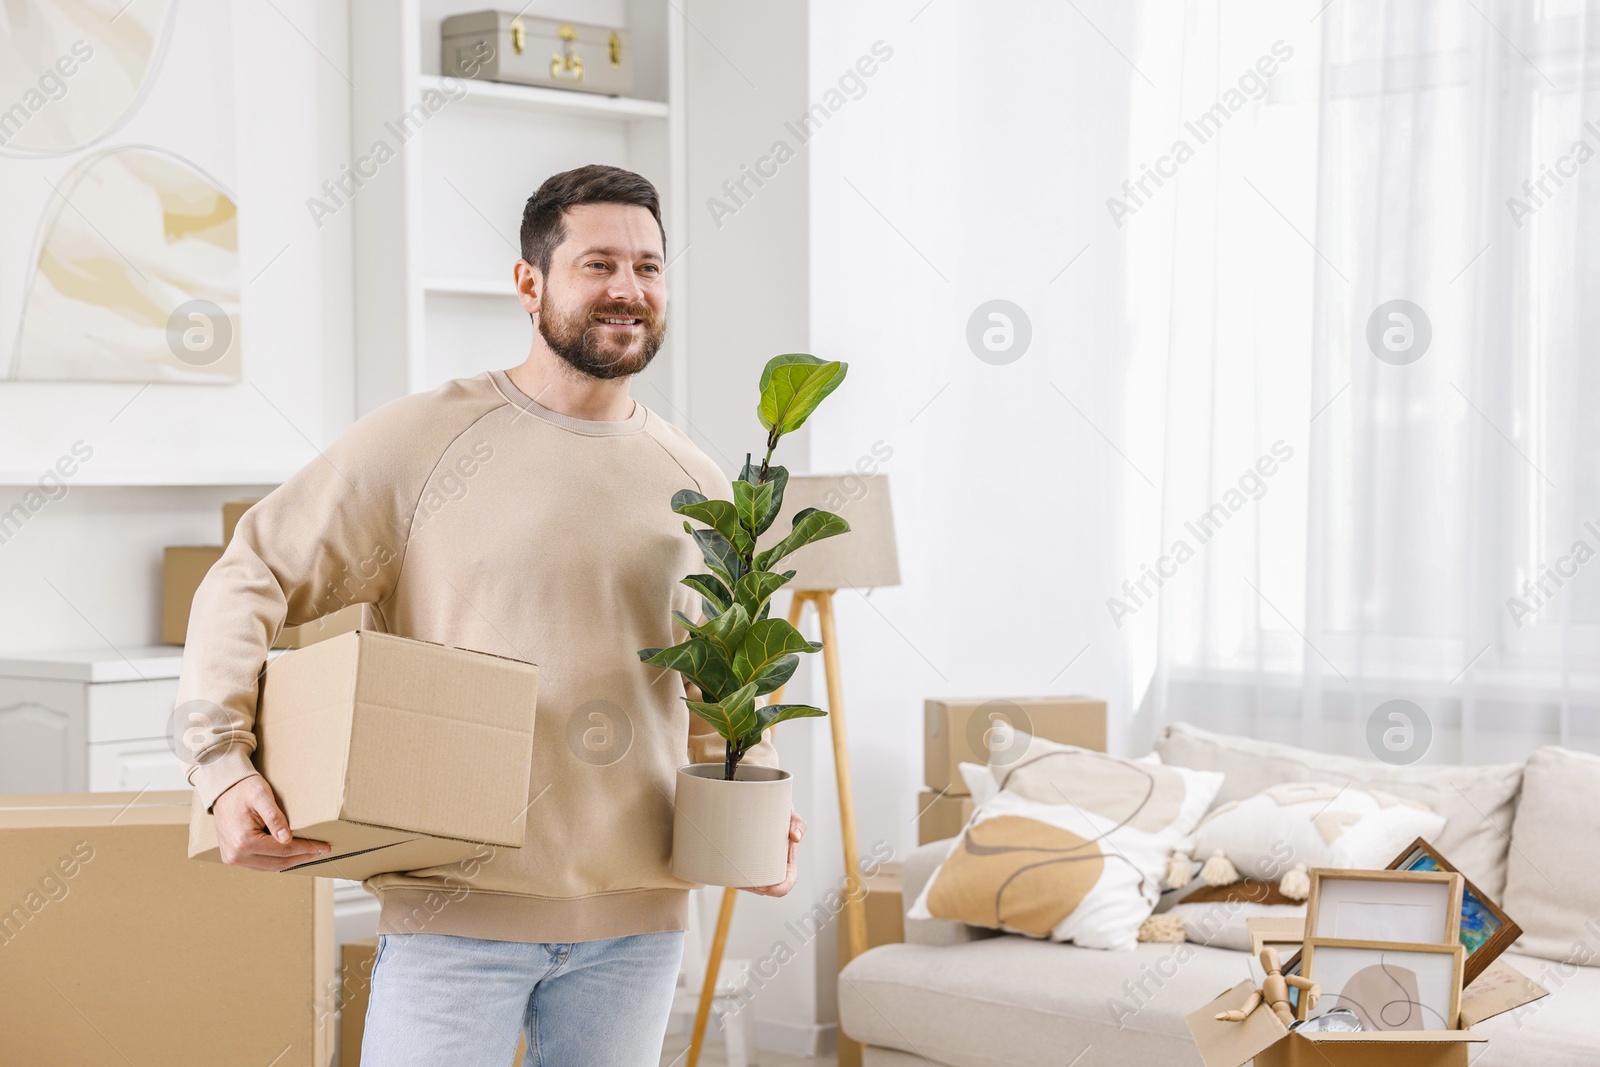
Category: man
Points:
column 524, row 513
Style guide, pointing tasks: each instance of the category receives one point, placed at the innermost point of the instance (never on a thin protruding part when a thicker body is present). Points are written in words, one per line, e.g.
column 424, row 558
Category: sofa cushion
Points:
column 1011, row 1000
column 1477, row 801
column 1073, row 846
column 1553, row 874
column 1311, row 824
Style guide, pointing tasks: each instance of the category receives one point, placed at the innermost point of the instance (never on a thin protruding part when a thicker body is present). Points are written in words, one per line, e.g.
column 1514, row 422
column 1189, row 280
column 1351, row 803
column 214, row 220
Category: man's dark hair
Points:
column 544, row 218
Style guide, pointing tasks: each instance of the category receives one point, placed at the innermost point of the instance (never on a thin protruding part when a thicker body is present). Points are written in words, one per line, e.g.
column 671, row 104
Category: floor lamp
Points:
column 864, row 558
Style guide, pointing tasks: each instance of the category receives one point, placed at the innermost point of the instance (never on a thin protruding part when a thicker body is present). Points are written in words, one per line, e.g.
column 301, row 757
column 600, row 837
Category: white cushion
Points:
column 1073, row 847
column 1317, row 824
column 1477, row 801
column 1553, row 877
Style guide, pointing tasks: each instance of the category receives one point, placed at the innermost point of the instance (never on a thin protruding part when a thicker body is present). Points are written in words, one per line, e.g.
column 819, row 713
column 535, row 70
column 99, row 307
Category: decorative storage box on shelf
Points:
column 503, row 46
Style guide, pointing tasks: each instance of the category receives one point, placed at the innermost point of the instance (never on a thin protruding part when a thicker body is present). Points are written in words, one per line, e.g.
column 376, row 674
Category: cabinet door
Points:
column 41, row 736
column 134, row 765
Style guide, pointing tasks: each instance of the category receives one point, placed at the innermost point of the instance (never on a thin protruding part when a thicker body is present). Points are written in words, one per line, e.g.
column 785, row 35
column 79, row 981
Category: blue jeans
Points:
column 439, row 999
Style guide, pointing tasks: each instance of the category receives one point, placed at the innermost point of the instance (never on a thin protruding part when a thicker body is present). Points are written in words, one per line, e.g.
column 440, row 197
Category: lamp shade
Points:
column 864, row 558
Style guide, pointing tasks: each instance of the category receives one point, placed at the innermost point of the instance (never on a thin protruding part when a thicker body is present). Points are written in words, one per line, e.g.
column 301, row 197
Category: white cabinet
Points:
column 76, row 721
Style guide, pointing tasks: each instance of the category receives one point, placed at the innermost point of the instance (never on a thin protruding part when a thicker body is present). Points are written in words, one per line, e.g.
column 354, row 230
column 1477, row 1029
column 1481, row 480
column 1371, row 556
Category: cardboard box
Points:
column 400, row 754
column 941, row 815
column 342, row 621
column 355, row 993
column 1261, row 1036
column 232, row 512
column 956, row 731
column 114, row 949
column 182, row 568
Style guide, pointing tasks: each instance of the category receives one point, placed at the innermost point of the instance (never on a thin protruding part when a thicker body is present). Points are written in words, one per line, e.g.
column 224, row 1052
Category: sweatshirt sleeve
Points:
column 334, row 534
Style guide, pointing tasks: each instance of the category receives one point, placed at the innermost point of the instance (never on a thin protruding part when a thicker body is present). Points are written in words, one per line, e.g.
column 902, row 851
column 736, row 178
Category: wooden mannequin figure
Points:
column 1274, row 992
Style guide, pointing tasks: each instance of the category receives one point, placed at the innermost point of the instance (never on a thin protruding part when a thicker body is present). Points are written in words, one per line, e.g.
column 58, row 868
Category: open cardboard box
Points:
column 401, row 754
column 1263, row 1037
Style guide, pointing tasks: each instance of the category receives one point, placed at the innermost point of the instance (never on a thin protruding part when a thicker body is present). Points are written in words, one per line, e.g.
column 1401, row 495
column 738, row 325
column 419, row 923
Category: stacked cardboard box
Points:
column 114, row 949
column 183, row 568
column 355, row 993
column 963, row 731
column 400, row 754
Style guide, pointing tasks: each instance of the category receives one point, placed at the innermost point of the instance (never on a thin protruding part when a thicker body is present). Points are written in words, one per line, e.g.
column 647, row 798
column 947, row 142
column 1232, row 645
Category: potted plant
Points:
column 731, row 821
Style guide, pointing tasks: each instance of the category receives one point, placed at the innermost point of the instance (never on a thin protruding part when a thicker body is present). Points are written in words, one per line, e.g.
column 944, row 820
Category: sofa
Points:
column 1528, row 834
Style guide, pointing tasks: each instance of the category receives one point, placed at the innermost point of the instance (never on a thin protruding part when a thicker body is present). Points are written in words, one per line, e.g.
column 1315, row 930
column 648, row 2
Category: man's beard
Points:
column 587, row 347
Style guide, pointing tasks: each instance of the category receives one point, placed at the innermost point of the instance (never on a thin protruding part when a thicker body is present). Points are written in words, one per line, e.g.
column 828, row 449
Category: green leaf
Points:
column 726, row 631
column 711, row 590
column 773, row 714
column 757, row 587
column 754, row 506
column 723, row 517
column 778, row 478
column 765, row 642
column 734, row 716
column 810, row 525
column 791, row 388
column 775, row 674
column 719, row 555
column 698, row 660
column 686, row 496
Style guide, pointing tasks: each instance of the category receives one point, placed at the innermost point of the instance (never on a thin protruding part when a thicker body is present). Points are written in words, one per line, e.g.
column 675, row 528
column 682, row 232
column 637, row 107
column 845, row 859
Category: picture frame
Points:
column 1413, row 906
column 1485, row 930
column 1391, row 986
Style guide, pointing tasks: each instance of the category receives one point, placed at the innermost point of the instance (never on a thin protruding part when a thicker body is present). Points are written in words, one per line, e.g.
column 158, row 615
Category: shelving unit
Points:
column 436, row 229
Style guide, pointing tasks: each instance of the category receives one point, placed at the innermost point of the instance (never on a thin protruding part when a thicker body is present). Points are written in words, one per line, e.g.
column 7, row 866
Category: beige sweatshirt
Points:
column 472, row 516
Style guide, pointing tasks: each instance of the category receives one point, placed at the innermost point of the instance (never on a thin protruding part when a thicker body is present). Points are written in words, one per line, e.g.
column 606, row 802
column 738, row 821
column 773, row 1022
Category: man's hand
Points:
column 797, row 830
column 252, row 831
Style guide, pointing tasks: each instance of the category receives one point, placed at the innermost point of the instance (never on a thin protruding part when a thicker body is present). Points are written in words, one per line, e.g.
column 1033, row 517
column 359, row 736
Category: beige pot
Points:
column 731, row 833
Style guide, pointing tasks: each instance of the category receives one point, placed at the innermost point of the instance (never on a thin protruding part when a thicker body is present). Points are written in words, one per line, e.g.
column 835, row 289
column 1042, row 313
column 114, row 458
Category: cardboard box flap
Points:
column 1500, row 988
column 1224, row 1044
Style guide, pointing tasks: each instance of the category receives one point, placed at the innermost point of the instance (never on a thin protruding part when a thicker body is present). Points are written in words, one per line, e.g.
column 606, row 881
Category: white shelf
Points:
column 468, row 287
column 538, row 98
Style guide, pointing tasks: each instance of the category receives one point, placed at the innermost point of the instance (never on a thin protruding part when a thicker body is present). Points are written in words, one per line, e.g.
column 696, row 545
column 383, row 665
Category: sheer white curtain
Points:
column 1365, row 379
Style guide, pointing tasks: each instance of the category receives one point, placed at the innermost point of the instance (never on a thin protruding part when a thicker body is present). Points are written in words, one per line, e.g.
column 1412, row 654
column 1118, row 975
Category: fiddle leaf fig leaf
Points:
column 753, row 503
column 723, row 517
column 775, row 674
column 809, row 525
column 686, row 496
column 726, row 631
column 792, row 386
column 765, row 642
column 773, row 714
column 734, row 716
column 711, row 590
column 719, row 554
column 698, row 660
column 757, row 587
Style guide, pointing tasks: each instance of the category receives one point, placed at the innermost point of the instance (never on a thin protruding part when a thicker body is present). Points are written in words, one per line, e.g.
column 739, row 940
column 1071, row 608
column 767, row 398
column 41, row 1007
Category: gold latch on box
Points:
column 616, row 50
column 567, row 63
column 519, row 35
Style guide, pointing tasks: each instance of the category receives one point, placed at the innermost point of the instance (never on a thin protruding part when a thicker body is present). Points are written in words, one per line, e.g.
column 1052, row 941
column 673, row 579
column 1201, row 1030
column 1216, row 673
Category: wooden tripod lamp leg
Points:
column 854, row 908
column 719, row 940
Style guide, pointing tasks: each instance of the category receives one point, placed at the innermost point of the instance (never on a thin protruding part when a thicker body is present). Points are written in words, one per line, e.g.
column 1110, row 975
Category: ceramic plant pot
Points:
column 731, row 833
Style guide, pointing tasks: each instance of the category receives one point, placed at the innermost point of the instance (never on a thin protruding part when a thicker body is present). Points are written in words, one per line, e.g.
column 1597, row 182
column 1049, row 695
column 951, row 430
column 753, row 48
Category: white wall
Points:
column 952, row 158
